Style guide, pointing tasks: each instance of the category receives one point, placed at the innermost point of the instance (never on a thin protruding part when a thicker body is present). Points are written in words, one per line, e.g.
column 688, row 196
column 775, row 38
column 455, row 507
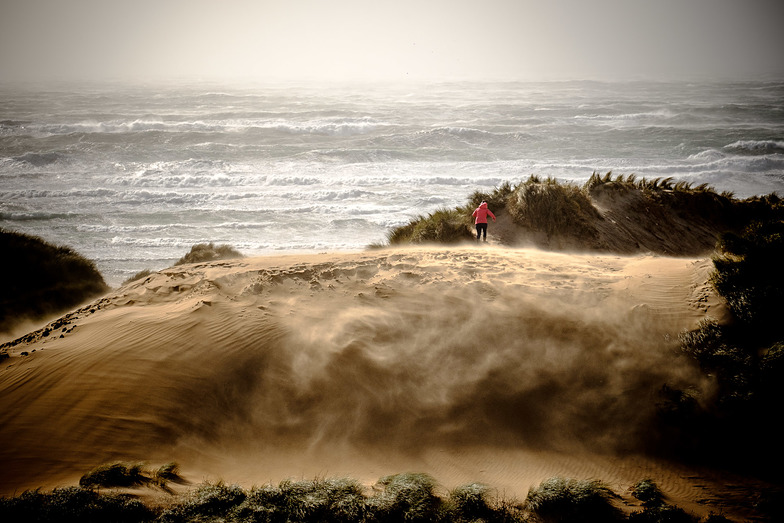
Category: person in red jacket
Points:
column 480, row 213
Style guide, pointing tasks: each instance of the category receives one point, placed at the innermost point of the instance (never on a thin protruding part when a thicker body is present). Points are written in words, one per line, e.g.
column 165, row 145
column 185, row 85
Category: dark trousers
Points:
column 481, row 230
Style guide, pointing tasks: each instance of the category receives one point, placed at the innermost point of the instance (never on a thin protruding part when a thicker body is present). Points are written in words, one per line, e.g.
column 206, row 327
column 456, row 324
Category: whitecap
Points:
column 756, row 147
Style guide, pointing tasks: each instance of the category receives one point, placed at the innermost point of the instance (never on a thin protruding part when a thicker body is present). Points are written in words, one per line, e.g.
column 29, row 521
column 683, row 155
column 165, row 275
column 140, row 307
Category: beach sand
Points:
column 473, row 364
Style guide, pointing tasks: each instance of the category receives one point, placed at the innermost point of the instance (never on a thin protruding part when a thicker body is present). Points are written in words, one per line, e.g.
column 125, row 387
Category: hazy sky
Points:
column 390, row 40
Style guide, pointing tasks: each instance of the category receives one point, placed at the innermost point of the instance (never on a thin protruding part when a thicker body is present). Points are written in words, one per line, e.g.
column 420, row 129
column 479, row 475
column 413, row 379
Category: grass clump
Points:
column 138, row 276
column 120, row 474
column 648, row 492
column 553, row 208
column 655, row 510
column 47, row 278
column 73, row 505
column 114, row 475
column 496, row 200
column 167, row 472
column 209, row 500
column 322, row 500
column 406, row 497
column 203, row 252
column 473, row 502
column 562, row 500
column 442, row 226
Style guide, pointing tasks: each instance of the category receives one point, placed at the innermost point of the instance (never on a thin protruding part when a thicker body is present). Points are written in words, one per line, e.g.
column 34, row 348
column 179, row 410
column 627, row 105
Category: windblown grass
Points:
column 74, row 505
column 408, row 497
column 561, row 500
column 114, row 475
column 608, row 213
column 138, row 276
column 496, row 200
column 44, row 279
column 553, row 208
column 442, row 226
column 203, row 252
column 120, row 474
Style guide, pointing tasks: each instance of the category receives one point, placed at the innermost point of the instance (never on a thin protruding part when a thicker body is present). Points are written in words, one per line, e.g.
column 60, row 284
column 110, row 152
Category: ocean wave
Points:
column 333, row 195
column 708, row 155
column 293, row 180
column 162, row 179
column 116, row 229
column 54, row 193
column 12, row 127
column 176, row 228
column 340, row 126
column 178, row 243
column 659, row 114
column 439, row 135
column 756, row 147
column 40, row 159
column 715, row 162
column 330, row 126
column 745, row 155
column 32, row 216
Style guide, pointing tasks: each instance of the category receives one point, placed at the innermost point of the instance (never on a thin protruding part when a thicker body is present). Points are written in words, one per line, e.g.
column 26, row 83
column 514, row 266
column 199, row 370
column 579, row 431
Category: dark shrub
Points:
column 47, row 279
column 470, row 503
column 73, row 505
column 748, row 276
column 559, row 500
column 648, row 492
column 662, row 514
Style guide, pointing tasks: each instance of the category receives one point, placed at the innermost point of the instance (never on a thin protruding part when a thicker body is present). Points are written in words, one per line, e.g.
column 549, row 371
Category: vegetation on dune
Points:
column 409, row 497
column 554, row 209
column 562, row 500
column 138, row 276
column 738, row 424
column 120, row 474
column 608, row 213
column 199, row 253
column 442, row 226
column 45, row 279
column 204, row 252
column 73, row 505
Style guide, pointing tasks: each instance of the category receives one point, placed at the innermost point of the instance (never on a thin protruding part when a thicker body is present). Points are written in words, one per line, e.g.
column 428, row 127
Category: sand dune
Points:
column 473, row 364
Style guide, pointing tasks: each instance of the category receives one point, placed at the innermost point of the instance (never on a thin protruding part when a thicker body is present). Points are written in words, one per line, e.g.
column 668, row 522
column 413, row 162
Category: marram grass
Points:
column 407, row 497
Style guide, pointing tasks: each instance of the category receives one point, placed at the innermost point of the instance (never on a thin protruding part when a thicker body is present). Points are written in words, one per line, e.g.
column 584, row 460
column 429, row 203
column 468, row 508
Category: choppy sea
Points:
column 133, row 176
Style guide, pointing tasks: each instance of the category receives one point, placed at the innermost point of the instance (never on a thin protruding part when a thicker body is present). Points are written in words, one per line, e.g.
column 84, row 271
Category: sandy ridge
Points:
column 505, row 366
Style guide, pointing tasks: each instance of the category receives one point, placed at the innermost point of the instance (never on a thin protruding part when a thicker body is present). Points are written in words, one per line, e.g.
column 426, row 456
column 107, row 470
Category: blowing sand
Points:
column 500, row 366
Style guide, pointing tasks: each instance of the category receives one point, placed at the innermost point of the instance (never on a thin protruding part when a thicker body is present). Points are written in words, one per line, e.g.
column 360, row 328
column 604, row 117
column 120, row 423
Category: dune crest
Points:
column 474, row 364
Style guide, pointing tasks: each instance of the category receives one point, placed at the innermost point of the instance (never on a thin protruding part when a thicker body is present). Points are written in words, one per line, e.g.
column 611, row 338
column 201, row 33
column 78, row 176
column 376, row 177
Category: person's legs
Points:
column 481, row 231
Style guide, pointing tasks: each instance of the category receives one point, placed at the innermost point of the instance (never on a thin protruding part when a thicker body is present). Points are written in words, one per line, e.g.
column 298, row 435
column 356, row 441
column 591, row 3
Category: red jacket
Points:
column 481, row 212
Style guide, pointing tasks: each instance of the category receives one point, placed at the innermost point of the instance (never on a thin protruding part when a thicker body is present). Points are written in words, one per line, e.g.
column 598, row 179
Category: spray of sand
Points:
column 382, row 356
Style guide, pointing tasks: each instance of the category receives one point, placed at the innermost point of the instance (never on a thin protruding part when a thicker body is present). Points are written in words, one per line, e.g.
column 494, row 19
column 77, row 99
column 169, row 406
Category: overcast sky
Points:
column 390, row 40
